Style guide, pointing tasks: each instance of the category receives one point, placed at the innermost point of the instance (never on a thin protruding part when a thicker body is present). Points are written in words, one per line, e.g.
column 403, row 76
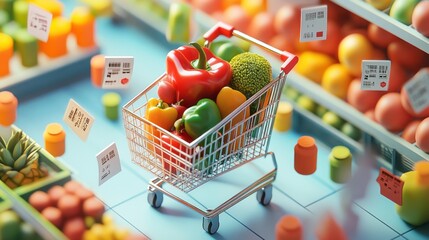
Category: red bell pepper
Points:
column 194, row 72
column 173, row 150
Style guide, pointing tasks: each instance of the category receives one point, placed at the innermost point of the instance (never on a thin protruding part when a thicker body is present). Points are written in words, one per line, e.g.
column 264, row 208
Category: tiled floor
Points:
column 307, row 197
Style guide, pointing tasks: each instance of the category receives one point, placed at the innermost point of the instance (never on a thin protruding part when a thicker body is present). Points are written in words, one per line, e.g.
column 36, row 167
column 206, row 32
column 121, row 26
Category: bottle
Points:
column 415, row 195
column 340, row 161
column 305, row 155
column 54, row 137
column 8, row 108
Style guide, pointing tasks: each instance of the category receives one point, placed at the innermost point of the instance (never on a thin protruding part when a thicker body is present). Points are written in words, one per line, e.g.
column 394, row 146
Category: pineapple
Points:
column 19, row 160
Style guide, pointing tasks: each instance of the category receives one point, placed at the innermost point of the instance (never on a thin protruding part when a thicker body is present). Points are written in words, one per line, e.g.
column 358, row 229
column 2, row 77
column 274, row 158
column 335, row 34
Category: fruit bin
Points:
column 223, row 148
column 58, row 174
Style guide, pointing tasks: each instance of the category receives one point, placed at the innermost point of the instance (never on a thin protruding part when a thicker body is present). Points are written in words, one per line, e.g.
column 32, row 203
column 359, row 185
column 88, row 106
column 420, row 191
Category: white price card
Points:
column 109, row 163
column 117, row 72
column 78, row 119
column 313, row 23
column 418, row 91
column 375, row 75
column 38, row 22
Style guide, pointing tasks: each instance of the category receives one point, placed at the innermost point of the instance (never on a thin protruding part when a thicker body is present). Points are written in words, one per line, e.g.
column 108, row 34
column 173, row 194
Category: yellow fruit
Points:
column 380, row 4
column 312, row 65
column 253, row 7
column 352, row 50
column 336, row 80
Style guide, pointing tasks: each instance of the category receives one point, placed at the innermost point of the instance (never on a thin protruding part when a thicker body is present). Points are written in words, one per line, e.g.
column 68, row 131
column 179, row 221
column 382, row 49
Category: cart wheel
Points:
column 265, row 194
column 211, row 225
column 155, row 198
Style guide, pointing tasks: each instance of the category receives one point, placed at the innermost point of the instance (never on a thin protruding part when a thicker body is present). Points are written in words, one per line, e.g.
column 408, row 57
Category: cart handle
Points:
column 221, row 28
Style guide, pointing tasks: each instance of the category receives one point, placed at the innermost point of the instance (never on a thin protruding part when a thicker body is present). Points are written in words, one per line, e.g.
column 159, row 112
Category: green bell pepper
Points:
column 197, row 120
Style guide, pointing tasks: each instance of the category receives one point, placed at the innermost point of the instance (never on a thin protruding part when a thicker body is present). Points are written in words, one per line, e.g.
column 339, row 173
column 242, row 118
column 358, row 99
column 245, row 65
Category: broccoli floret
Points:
column 250, row 73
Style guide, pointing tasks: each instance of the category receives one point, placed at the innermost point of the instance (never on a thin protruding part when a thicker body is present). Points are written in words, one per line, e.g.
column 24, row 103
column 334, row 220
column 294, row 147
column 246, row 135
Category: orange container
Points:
column 289, row 228
column 97, row 70
column 6, row 53
column 56, row 46
column 55, row 137
column 82, row 26
column 8, row 107
column 305, row 155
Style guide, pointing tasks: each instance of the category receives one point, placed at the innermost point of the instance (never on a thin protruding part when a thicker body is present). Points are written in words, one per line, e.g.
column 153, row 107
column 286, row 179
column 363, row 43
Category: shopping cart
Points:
column 235, row 141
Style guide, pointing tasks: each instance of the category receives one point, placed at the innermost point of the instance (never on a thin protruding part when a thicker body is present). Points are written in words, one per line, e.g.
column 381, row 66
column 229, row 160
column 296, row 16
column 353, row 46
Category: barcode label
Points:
column 418, row 91
column 313, row 23
column 78, row 119
column 118, row 71
column 38, row 22
column 109, row 163
column 375, row 75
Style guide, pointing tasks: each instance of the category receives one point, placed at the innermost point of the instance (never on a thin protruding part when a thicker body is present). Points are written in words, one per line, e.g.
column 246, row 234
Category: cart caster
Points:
column 155, row 198
column 211, row 225
column 265, row 194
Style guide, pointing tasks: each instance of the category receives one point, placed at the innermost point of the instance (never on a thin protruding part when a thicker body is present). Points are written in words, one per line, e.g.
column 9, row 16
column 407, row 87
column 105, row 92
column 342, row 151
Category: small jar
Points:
column 54, row 137
column 289, row 228
column 111, row 102
column 6, row 53
column 83, row 27
column 97, row 70
column 8, row 108
column 283, row 120
column 340, row 160
column 305, row 155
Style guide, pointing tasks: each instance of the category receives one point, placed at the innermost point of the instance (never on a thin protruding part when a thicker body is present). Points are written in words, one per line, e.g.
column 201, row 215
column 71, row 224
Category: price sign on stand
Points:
column 117, row 72
column 38, row 22
column 375, row 75
column 109, row 163
column 390, row 186
column 418, row 91
column 78, row 119
column 313, row 23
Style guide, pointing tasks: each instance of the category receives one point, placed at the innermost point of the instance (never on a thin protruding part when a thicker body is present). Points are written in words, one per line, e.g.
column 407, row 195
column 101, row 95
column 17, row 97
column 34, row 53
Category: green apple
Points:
column 333, row 119
column 10, row 225
column 351, row 131
column 306, row 103
column 321, row 110
column 380, row 4
column 402, row 10
column 291, row 93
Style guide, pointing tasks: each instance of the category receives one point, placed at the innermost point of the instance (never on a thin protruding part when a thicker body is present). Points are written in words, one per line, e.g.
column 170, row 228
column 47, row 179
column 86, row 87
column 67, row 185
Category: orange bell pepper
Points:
column 163, row 116
column 227, row 101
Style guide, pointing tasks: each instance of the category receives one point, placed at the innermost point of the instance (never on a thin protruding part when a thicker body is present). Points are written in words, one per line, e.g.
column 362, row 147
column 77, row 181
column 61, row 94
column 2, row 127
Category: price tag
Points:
column 390, row 186
column 38, row 22
column 79, row 120
column 109, row 163
column 418, row 91
column 375, row 75
column 313, row 23
column 117, row 72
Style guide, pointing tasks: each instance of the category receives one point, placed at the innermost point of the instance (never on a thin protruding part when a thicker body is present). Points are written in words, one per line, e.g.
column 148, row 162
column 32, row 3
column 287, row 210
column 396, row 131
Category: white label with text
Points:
column 313, row 23
column 78, row 119
column 418, row 91
column 109, row 163
column 375, row 75
column 117, row 72
column 38, row 22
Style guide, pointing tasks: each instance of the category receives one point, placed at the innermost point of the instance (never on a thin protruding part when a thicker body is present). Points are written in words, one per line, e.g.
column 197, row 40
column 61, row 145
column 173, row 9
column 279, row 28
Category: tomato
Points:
column 167, row 92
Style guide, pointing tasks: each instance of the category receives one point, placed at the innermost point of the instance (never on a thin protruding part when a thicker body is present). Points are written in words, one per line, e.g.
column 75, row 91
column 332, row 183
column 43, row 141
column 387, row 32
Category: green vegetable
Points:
column 228, row 50
column 250, row 73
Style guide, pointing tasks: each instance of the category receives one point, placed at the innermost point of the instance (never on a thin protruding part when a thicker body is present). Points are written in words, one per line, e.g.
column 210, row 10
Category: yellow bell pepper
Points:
column 227, row 101
column 162, row 115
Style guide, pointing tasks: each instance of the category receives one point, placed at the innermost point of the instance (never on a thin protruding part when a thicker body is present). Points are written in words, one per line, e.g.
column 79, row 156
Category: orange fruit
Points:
column 390, row 113
column 227, row 3
column 379, row 36
column 208, row 6
column 312, row 65
column 360, row 99
column 261, row 26
column 253, row 7
column 287, row 20
column 409, row 133
column 281, row 42
column 407, row 55
column 336, row 80
column 398, row 77
column 237, row 17
column 333, row 39
column 422, row 135
column 352, row 50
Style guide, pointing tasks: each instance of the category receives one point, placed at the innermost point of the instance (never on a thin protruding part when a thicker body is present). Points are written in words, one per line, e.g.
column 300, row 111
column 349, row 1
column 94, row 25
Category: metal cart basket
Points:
column 239, row 138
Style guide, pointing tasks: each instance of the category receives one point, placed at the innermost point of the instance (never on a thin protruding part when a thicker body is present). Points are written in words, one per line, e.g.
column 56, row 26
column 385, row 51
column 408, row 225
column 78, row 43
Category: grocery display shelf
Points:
column 383, row 20
column 394, row 152
column 49, row 73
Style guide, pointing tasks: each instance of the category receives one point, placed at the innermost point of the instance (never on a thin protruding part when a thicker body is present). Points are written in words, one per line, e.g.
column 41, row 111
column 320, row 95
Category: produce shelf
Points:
column 383, row 20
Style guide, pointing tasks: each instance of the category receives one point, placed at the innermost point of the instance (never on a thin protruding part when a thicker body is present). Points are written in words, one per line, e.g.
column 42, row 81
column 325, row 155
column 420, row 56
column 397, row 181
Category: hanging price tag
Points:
column 418, row 91
column 390, row 186
column 117, row 72
column 79, row 120
column 313, row 23
column 109, row 163
column 375, row 75
column 38, row 22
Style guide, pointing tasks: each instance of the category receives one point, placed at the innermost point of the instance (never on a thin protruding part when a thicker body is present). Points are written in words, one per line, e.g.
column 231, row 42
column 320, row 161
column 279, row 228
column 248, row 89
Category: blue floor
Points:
column 307, row 197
